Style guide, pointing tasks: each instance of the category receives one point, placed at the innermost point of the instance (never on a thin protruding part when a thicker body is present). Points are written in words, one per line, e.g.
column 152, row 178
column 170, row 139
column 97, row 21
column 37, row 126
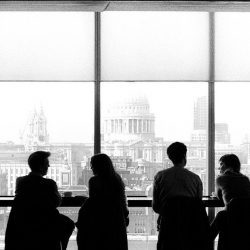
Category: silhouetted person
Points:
column 103, row 217
column 175, row 181
column 177, row 198
column 229, row 184
column 34, row 222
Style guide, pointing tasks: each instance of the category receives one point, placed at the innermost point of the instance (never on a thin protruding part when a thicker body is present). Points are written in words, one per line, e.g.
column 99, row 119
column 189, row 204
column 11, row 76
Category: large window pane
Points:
column 232, row 51
column 139, row 122
column 55, row 117
column 154, row 46
column 47, row 46
column 232, row 123
column 142, row 229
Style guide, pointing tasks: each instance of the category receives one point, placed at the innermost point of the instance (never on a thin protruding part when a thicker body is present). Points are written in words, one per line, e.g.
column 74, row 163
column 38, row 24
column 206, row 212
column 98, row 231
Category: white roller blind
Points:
column 232, row 46
column 46, row 46
column 154, row 46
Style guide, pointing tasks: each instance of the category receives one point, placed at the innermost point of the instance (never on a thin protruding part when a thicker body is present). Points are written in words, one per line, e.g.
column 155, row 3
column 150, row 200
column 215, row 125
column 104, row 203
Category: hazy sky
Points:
column 69, row 107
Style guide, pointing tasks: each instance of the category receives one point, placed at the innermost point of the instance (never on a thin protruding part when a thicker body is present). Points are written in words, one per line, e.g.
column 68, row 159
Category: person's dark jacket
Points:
column 102, row 225
column 183, row 224
column 103, row 217
column 33, row 220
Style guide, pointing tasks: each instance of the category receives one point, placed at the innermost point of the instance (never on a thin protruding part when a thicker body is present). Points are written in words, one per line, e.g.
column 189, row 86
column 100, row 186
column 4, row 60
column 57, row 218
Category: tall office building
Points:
column 200, row 123
column 200, row 113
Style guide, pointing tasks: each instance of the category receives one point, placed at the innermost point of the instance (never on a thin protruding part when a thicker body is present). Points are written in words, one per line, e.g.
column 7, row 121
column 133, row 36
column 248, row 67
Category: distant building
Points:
column 200, row 124
column 37, row 131
column 65, row 161
column 221, row 133
column 199, row 135
column 200, row 113
column 129, row 119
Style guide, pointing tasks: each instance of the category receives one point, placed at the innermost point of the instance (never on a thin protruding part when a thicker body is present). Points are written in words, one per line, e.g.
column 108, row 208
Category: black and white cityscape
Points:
column 158, row 71
column 129, row 138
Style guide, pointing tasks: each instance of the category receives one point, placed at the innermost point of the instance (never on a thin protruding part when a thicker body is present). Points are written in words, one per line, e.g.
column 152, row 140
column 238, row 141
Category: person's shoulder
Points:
column 21, row 179
column 49, row 182
column 222, row 178
column 93, row 179
column 163, row 172
column 226, row 176
column 192, row 174
column 244, row 176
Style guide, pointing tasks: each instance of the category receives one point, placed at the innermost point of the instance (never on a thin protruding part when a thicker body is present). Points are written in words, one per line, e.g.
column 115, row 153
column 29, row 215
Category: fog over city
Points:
column 69, row 107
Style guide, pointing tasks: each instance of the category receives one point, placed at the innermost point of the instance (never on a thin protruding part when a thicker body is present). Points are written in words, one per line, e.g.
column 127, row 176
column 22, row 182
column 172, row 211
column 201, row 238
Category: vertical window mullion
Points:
column 97, row 115
column 211, row 124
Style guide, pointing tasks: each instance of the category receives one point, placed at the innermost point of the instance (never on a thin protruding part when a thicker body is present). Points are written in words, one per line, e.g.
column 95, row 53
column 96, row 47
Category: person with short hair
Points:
column 34, row 222
column 228, row 185
column 175, row 181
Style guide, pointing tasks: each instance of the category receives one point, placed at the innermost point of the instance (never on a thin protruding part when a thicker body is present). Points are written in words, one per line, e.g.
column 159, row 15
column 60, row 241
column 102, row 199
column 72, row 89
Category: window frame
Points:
column 99, row 6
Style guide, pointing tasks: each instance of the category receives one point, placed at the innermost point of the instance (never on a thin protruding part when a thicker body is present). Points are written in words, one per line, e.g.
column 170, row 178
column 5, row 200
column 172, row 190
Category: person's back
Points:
column 233, row 185
column 177, row 195
column 34, row 222
column 176, row 181
column 103, row 218
column 34, row 190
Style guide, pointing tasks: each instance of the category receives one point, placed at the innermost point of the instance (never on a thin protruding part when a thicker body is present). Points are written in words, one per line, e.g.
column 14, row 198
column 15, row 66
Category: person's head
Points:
column 229, row 161
column 39, row 162
column 177, row 152
column 101, row 164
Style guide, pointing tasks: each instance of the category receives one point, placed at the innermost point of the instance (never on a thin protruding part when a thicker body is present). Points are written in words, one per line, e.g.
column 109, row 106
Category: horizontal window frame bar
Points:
column 134, row 201
column 180, row 81
column 90, row 81
column 126, row 81
column 130, row 81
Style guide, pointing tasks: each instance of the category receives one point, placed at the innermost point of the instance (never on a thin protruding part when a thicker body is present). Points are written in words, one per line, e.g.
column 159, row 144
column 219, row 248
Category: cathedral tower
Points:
column 37, row 130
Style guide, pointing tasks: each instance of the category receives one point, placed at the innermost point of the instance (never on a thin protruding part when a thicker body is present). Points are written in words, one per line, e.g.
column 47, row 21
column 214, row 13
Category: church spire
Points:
column 41, row 111
column 38, row 134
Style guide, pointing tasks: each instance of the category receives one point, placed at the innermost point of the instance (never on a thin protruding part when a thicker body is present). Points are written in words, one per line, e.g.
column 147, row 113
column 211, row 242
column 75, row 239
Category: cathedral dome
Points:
column 128, row 118
column 134, row 99
column 134, row 102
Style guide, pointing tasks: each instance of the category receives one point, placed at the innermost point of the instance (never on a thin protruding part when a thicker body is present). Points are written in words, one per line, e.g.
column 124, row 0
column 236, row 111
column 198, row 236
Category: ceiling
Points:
column 100, row 6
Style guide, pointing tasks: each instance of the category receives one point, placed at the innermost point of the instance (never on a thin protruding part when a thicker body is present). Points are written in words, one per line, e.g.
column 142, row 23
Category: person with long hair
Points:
column 106, row 183
column 103, row 217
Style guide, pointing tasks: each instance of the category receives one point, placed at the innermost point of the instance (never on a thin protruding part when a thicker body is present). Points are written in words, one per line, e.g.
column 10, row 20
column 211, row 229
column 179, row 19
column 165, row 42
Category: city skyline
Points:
column 72, row 119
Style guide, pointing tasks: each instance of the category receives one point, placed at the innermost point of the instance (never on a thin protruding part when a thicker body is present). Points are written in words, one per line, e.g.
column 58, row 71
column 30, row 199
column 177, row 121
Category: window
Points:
column 156, row 87
column 232, row 122
column 148, row 52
